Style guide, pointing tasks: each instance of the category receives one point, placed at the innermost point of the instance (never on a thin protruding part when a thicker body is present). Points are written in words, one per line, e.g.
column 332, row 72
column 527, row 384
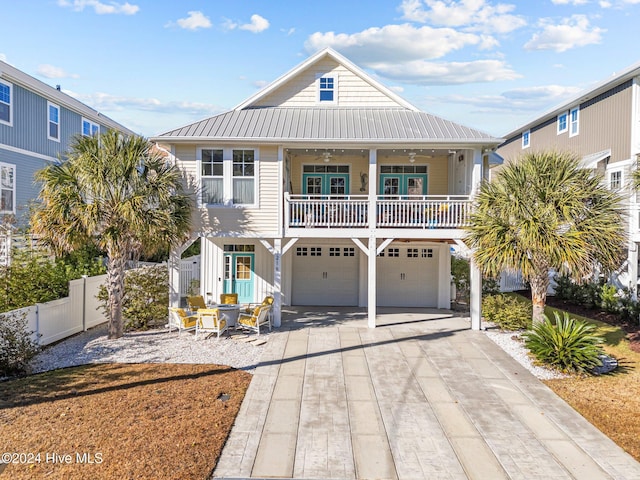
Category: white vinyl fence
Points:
column 510, row 282
column 58, row 319
column 189, row 271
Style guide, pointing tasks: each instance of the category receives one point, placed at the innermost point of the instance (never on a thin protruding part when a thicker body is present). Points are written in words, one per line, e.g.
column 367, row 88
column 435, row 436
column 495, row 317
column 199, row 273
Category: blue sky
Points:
column 155, row 65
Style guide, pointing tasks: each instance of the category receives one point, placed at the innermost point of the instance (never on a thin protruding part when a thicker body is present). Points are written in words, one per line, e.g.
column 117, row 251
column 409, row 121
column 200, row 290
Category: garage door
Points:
column 408, row 277
column 325, row 275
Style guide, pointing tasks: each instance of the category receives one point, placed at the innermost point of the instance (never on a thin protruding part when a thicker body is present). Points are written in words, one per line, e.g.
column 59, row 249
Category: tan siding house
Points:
column 600, row 125
column 326, row 188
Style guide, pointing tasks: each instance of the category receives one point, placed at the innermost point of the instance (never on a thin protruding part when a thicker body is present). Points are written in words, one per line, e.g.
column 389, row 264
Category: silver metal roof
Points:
column 328, row 124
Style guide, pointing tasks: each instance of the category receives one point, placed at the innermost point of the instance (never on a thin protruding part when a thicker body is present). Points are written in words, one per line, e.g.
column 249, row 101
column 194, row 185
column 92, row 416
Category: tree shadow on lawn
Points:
column 79, row 381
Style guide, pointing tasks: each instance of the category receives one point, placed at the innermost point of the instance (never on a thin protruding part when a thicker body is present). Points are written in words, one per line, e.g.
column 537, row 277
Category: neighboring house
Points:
column 37, row 124
column 602, row 126
column 326, row 188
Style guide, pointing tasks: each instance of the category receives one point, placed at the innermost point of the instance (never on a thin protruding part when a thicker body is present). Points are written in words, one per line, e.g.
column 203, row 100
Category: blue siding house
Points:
column 37, row 125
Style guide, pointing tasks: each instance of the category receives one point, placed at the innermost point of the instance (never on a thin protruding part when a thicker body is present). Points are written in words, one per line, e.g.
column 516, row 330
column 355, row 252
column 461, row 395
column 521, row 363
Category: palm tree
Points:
column 118, row 193
column 544, row 211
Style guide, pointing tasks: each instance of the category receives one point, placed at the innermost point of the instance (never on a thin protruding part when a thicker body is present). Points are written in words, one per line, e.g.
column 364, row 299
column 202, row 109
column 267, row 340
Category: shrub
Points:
column 569, row 345
column 16, row 345
column 629, row 309
column 609, row 301
column 146, row 297
column 507, row 312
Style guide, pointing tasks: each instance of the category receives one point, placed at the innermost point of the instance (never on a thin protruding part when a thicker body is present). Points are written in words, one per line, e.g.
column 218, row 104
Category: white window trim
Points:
column 10, row 85
column 526, row 134
column 227, row 177
column 91, row 123
column 335, row 89
column 15, row 182
column 570, row 123
column 49, row 105
column 610, row 174
column 561, row 130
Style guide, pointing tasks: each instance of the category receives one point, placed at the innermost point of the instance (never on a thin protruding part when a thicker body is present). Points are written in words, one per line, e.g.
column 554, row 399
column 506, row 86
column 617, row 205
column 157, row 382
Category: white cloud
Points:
column 101, row 8
column 289, row 31
column 258, row 24
column 618, row 3
column 394, row 43
column 605, row 4
column 569, row 2
column 50, row 71
column 193, row 21
column 570, row 33
column 473, row 15
column 260, row 83
column 447, row 73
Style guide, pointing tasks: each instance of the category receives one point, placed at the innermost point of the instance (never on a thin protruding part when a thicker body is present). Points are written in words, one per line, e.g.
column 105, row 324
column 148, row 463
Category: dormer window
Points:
column 327, row 89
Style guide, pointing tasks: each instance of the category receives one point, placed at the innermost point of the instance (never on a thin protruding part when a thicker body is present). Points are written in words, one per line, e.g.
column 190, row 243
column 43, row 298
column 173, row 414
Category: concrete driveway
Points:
column 420, row 397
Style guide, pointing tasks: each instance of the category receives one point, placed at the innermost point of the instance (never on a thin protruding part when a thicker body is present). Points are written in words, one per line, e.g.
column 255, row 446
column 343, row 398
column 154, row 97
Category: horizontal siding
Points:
column 237, row 221
column 604, row 123
column 26, row 190
column 300, row 91
column 31, row 123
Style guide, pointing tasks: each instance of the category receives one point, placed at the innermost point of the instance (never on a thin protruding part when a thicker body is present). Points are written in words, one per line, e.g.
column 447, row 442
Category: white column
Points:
column 444, row 276
column 475, row 296
column 632, row 261
column 277, row 282
column 371, row 288
column 476, row 171
column 174, row 278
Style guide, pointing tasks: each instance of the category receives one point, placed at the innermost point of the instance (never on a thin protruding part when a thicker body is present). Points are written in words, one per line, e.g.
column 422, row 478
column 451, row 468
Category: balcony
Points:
column 427, row 212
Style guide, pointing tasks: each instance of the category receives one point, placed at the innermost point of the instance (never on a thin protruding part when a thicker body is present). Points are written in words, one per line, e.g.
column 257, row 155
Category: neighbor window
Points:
column 615, row 180
column 89, row 128
column 212, row 176
column 562, row 122
column 327, row 86
column 5, row 102
column 7, row 188
column 53, row 113
column 574, row 117
column 526, row 139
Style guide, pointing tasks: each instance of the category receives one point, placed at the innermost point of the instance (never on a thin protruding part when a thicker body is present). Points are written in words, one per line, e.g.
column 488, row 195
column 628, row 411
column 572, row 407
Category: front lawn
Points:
column 142, row 421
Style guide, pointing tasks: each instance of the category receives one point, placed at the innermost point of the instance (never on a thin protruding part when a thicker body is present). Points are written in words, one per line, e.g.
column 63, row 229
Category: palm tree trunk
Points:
column 115, row 290
column 539, row 285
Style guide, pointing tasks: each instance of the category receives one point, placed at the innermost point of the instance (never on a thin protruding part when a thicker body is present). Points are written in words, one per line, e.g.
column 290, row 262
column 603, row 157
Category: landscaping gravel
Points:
column 510, row 342
column 152, row 346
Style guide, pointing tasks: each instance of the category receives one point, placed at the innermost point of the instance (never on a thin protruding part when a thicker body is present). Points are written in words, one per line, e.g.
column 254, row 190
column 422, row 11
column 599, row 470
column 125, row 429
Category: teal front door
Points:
column 239, row 275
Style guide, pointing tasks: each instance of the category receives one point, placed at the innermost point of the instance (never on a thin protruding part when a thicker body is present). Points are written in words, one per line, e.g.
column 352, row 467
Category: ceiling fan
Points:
column 326, row 156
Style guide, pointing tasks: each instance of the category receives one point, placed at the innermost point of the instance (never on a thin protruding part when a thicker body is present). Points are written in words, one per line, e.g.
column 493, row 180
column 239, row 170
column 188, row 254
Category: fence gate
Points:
column 189, row 271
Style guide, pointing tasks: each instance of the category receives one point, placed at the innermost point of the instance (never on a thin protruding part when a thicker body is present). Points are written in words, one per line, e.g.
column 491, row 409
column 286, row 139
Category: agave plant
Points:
column 567, row 344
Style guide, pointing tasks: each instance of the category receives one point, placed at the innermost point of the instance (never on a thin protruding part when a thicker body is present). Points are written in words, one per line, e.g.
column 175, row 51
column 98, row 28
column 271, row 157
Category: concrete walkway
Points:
column 421, row 397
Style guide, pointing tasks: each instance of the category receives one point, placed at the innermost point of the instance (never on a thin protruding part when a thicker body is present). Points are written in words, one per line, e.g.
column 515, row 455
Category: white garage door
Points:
column 325, row 275
column 408, row 277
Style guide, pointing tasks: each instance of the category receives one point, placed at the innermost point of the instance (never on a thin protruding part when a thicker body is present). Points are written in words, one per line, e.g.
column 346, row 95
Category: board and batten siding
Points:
column 301, row 90
column 233, row 221
column 604, row 123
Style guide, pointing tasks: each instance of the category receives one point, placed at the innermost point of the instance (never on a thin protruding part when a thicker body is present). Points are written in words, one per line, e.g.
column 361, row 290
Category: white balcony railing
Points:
column 352, row 211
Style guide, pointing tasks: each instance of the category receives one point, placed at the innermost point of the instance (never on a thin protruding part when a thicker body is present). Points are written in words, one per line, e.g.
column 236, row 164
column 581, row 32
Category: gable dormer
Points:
column 326, row 79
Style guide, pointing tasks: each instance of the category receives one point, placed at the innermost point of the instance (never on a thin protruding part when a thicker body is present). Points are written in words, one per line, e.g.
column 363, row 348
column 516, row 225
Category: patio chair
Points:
column 250, row 307
column 228, row 298
column 209, row 321
column 253, row 320
column 196, row 302
column 180, row 319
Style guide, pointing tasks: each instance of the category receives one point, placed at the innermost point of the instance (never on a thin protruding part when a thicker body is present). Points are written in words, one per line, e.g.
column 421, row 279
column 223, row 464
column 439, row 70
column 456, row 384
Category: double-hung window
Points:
column 615, row 180
column 7, row 188
column 574, row 118
column 212, row 177
column 89, row 128
column 562, row 122
column 327, row 89
column 243, row 177
column 526, row 138
column 53, row 117
column 6, row 97
column 228, row 176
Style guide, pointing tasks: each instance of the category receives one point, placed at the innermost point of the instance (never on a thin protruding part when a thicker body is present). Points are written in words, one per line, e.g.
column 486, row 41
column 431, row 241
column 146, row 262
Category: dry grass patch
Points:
column 142, row 421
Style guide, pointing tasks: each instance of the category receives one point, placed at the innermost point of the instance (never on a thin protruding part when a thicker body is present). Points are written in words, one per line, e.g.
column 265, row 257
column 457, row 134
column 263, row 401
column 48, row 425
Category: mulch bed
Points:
column 128, row 421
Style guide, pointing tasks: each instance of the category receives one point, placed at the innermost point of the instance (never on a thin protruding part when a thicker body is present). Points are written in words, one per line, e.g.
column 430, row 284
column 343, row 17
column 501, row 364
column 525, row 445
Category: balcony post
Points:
column 476, row 173
column 475, row 295
column 372, row 259
column 373, row 182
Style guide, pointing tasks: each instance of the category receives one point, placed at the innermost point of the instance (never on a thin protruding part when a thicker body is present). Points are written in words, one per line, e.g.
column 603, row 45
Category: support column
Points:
column 371, row 288
column 174, row 278
column 277, row 282
column 475, row 295
column 632, row 261
column 476, row 171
